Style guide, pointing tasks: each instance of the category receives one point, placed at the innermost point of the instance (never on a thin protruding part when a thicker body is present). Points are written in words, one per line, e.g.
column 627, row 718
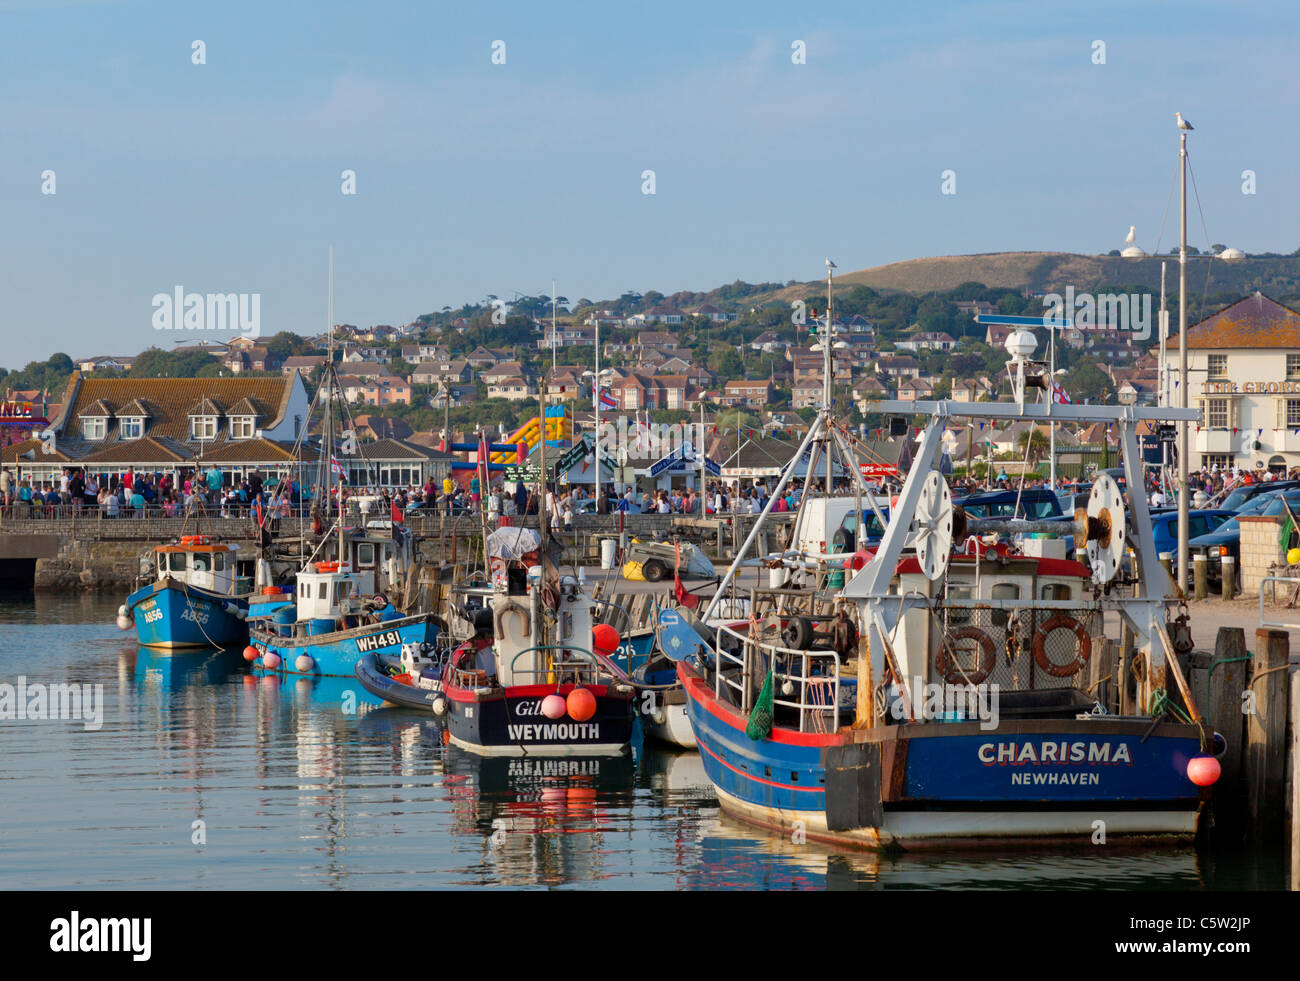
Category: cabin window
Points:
column 1004, row 591
column 1054, row 591
column 365, row 554
column 322, row 592
column 958, row 615
column 131, row 427
column 342, row 590
column 218, row 561
column 94, row 427
column 199, row 563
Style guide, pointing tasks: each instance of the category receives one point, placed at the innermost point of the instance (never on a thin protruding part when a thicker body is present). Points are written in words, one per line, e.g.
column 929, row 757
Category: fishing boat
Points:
column 198, row 598
column 340, row 611
column 537, row 680
column 976, row 719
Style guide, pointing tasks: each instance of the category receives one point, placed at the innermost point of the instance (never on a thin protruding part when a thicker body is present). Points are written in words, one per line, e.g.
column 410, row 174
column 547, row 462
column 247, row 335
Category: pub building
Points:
column 1243, row 368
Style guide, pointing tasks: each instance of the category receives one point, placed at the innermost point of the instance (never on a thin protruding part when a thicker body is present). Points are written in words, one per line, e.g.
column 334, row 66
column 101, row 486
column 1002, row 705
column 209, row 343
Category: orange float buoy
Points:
column 605, row 638
column 250, row 653
column 581, row 704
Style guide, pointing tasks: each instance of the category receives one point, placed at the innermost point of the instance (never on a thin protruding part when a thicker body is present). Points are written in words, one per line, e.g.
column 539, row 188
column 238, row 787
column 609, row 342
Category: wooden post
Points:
column 1295, row 781
column 1265, row 759
column 1101, row 674
column 1124, row 670
column 864, row 713
column 1227, row 680
column 1228, row 571
column 1200, row 576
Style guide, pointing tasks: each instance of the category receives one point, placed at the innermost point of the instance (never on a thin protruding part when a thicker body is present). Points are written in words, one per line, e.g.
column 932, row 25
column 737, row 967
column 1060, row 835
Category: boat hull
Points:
column 169, row 614
column 336, row 653
column 668, row 720
column 509, row 722
column 374, row 679
column 953, row 785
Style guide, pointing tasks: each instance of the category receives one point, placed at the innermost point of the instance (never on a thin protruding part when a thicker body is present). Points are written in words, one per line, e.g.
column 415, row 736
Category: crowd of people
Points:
column 184, row 491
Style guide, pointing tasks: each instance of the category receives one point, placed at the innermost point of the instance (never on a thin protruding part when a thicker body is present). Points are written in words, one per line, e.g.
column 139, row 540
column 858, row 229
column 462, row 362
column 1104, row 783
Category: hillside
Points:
column 1052, row 271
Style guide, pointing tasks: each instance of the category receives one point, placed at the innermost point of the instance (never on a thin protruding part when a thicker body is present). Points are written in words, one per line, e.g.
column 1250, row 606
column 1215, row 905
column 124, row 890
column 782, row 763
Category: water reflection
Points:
column 310, row 783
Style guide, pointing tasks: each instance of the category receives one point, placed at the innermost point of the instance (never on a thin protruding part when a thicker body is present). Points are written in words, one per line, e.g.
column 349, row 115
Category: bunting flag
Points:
column 1059, row 395
column 606, row 400
column 335, row 466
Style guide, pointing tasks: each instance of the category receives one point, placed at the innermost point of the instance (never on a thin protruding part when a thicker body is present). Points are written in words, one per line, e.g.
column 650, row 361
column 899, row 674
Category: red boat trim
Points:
column 750, row 776
column 705, row 696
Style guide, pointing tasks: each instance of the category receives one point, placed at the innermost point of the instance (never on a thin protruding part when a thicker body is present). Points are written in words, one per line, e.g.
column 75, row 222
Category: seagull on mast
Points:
column 1183, row 123
column 831, row 265
column 1131, row 237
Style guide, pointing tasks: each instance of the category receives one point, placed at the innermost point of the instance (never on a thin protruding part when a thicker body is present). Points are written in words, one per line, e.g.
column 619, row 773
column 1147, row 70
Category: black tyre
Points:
column 653, row 570
column 798, row 634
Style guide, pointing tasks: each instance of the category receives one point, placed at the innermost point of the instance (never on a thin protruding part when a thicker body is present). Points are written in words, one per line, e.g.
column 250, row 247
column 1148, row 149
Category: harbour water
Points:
column 204, row 776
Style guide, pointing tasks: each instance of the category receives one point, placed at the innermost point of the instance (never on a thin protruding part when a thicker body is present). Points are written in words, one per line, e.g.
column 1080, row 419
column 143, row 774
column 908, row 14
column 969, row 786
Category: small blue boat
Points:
column 197, row 600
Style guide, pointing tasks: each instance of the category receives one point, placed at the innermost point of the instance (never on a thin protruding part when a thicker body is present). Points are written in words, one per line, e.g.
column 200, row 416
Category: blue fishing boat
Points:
column 339, row 610
column 198, row 598
column 981, row 716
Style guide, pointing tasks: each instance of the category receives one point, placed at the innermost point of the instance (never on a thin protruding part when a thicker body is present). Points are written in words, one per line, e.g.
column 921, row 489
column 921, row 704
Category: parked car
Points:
column 1032, row 503
column 1239, row 497
column 1164, row 527
column 1226, row 539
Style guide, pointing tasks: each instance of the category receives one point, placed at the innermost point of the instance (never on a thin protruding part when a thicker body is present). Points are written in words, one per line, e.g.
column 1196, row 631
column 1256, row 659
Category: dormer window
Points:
column 94, row 427
column 241, row 427
column 131, row 427
column 203, row 427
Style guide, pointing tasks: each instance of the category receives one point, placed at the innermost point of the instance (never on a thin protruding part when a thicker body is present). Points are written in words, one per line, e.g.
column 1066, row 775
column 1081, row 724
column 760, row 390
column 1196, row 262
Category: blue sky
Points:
column 475, row 178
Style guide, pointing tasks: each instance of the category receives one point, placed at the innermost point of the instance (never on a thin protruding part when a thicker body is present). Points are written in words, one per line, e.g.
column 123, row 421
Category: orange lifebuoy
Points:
column 947, row 667
column 271, row 590
column 327, row 567
column 195, row 540
column 1062, row 622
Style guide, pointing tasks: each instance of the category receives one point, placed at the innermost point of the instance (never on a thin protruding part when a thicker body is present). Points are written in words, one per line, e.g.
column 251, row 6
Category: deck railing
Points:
column 817, row 683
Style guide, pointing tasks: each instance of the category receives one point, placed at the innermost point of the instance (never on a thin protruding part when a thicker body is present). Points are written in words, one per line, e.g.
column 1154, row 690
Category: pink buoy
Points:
column 271, row 660
column 581, row 704
column 250, row 653
column 1203, row 771
column 304, row 664
column 554, row 707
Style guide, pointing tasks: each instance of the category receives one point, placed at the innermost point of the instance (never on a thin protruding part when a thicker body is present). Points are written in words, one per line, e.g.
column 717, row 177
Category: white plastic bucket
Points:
column 607, row 551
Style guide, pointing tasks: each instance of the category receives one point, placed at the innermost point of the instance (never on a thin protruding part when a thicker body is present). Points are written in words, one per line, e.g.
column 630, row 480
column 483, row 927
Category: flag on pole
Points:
column 335, row 467
column 606, row 399
column 1059, row 395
